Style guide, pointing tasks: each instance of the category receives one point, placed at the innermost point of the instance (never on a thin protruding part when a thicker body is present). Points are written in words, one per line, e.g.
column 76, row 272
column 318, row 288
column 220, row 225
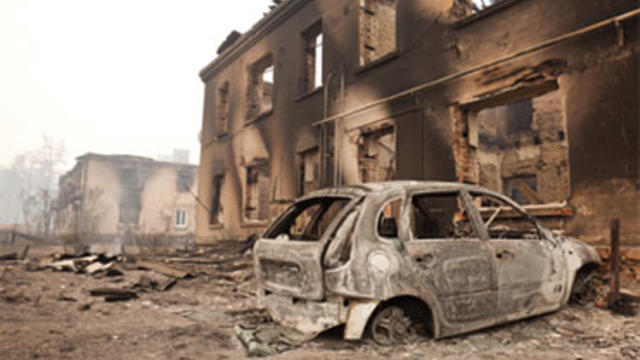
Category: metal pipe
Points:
column 337, row 133
column 323, row 130
column 614, row 294
column 539, row 46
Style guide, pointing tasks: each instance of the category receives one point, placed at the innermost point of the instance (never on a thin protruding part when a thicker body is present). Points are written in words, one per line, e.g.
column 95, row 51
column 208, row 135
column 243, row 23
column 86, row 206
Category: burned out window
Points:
column 312, row 76
column 257, row 193
column 377, row 29
column 377, row 155
column 462, row 8
column 308, row 173
column 308, row 220
column 184, row 181
column 502, row 220
column 479, row 5
column 440, row 216
column 389, row 219
column 215, row 211
column 130, row 193
column 224, row 107
column 261, row 87
column 522, row 189
column 517, row 148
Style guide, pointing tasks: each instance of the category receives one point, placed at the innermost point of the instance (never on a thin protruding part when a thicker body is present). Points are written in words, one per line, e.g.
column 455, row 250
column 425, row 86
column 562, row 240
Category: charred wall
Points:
column 574, row 151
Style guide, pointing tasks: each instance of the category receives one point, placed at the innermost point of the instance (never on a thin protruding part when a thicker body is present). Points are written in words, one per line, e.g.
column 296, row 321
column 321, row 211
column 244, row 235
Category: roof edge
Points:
column 128, row 157
column 251, row 37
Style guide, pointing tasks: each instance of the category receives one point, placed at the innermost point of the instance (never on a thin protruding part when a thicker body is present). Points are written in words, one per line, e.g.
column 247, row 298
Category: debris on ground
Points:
column 165, row 270
column 14, row 256
column 269, row 339
column 112, row 294
column 49, row 314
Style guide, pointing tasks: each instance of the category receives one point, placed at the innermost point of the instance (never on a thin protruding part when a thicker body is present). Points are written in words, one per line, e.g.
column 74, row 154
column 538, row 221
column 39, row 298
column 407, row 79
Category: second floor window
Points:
column 377, row 29
column 312, row 77
column 261, row 84
column 223, row 109
column 479, row 5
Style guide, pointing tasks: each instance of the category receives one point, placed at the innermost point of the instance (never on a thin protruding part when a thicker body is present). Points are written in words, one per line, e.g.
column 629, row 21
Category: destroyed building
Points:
column 537, row 99
column 125, row 199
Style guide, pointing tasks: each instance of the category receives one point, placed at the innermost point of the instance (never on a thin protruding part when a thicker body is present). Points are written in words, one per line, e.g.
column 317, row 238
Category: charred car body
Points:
column 389, row 258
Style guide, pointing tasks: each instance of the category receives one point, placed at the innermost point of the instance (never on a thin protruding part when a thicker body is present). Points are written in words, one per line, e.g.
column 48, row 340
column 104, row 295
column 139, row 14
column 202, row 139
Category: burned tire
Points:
column 391, row 325
column 583, row 288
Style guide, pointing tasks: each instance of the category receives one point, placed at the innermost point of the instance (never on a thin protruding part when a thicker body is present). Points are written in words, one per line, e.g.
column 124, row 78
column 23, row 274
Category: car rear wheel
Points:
column 391, row 325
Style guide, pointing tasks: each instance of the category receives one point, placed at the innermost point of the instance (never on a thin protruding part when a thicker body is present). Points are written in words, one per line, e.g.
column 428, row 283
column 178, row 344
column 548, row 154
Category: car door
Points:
column 451, row 255
column 530, row 268
column 288, row 256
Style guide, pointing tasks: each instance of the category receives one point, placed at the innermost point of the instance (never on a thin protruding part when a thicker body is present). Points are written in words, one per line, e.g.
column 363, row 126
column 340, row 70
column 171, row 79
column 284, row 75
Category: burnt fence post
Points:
column 614, row 293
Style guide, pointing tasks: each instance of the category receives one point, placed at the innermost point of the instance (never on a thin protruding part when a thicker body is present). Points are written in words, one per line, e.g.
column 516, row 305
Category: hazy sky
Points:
column 110, row 76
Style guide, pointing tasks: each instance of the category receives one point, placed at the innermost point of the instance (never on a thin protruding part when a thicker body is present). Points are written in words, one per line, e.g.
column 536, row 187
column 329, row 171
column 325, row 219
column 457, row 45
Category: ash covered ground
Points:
column 49, row 313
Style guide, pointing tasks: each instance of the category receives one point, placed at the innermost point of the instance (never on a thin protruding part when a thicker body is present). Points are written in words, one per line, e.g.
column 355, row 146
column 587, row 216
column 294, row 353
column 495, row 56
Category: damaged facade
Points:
column 537, row 100
column 127, row 200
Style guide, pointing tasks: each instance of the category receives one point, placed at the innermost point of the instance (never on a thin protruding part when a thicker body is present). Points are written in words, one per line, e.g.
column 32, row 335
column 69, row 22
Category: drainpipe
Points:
column 338, row 131
column 323, row 130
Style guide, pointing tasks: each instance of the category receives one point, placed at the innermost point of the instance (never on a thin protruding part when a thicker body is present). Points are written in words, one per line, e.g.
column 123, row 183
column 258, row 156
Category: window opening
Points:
column 181, row 219
column 479, row 5
column 261, row 87
column 130, row 193
column 312, row 77
column 257, row 193
column 519, row 149
column 184, row 181
column 223, row 109
column 215, row 212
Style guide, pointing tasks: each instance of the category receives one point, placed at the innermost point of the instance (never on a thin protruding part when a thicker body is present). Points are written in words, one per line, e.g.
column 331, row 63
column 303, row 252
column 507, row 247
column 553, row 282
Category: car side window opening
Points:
column 389, row 219
column 439, row 216
column 308, row 220
column 504, row 221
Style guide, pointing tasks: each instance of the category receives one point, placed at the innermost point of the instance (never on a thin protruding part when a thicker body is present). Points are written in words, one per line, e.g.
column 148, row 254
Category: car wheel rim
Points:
column 391, row 326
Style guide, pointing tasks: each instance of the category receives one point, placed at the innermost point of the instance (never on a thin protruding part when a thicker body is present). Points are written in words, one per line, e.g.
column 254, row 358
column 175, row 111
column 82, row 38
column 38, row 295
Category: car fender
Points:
column 361, row 310
column 359, row 313
column 577, row 254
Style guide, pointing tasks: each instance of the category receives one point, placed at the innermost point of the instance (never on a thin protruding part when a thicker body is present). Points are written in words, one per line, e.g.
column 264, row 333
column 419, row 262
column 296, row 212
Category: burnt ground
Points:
column 50, row 315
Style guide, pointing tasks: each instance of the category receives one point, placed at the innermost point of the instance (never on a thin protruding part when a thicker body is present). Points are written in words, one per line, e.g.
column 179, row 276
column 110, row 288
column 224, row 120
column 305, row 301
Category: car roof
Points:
column 407, row 185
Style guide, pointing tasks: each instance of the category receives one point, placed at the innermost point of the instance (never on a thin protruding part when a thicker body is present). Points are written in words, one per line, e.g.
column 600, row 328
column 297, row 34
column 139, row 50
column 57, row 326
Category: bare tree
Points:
column 35, row 175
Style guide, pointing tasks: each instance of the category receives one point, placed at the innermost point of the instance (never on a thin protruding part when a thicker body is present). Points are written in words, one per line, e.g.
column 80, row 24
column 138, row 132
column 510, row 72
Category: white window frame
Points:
column 180, row 219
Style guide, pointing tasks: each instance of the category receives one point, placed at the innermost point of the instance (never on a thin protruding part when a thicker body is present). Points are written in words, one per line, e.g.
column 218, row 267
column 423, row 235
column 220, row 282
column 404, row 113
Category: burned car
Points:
column 392, row 259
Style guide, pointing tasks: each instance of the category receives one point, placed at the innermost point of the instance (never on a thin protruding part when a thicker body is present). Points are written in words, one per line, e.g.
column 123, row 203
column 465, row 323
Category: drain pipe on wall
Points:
column 323, row 130
column 337, row 132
